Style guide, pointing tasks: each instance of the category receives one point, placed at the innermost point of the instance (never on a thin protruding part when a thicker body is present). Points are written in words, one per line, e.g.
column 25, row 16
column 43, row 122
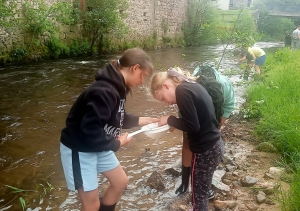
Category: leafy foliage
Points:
column 56, row 48
column 104, row 18
column 79, row 47
column 23, row 203
column 243, row 33
column 275, row 27
column 8, row 13
column 18, row 53
column 41, row 191
column 205, row 25
column 37, row 18
column 199, row 19
column 40, row 17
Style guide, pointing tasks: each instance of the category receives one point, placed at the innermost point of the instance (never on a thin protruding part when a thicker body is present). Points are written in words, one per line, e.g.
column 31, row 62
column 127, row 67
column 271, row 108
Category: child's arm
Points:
column 189, row 121
column 242, row 59
column 147, row 120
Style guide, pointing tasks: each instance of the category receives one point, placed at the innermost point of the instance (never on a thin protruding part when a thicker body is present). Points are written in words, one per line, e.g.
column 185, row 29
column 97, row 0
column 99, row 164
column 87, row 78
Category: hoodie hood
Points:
column 110, row 74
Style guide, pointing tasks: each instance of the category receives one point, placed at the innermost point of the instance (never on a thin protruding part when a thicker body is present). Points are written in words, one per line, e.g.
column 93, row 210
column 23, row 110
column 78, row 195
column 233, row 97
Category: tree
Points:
column 200, row 14
column 274, row 27
column 103, row 18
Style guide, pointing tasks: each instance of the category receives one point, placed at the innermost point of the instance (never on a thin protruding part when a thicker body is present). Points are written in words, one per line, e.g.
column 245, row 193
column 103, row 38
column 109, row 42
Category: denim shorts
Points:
column 260, row 60
column 81, row 169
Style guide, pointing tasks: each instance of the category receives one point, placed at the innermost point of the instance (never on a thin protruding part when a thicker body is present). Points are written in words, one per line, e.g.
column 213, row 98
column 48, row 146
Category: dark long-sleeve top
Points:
column 198, row 117
column 98, row 115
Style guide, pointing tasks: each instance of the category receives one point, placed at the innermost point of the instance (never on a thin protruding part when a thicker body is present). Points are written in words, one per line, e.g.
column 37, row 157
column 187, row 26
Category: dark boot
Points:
column 185, row 178
column 104, row 207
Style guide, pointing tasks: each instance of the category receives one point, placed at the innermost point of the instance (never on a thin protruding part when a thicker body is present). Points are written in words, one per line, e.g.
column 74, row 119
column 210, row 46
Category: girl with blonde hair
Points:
column 198, row 120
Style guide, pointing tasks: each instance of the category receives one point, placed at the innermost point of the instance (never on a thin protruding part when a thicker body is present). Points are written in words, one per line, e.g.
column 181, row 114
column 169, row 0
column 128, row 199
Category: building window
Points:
column 231, row 3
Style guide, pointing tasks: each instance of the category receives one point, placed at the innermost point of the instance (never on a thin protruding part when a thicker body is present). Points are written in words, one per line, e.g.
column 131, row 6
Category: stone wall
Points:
column 162, row 16
column 15, row 37
column 144, row 17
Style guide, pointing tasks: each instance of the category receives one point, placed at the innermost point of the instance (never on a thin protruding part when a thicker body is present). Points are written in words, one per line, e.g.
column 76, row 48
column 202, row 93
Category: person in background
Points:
column 93, row 130
column 287, row 40
column 199, row 121
column 227, row 89
column 256, row 54
column 296, row 38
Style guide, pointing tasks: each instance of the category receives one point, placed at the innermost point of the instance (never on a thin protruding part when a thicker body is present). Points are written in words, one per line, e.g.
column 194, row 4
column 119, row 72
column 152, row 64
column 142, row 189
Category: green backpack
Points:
column 208, row 80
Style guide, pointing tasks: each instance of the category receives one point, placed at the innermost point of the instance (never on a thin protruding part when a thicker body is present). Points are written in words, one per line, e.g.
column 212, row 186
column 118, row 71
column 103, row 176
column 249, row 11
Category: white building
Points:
column 223, row 4
column 233, row 4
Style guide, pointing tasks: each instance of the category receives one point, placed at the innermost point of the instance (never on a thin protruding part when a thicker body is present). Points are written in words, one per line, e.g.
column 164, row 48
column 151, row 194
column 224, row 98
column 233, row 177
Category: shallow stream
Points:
column 34, row 103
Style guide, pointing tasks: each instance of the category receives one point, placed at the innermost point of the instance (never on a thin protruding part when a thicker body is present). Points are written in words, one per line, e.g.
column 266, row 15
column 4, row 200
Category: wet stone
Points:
column 276, row 172
column 182, row 208
column 217, row 183
column 235, row 173
column 261, row 197
column 268, row 176
column 230, row 168
column 227, row 159
column 220, row 205
column 155, row 181
column 173, row 172
column 248, row 181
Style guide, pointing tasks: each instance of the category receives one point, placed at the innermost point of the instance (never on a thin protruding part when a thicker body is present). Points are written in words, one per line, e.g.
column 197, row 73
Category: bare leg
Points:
column 222, row 123
column 247, row 72
column 118, row 183
column 186, row 152
column 257, row 69
column 90, row 200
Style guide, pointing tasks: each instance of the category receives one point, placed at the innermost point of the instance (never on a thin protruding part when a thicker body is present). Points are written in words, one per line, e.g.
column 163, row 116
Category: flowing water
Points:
column 34, row 102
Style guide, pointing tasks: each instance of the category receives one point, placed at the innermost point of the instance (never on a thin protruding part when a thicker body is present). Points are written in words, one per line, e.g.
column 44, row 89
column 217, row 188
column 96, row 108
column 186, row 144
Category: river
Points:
column 34, row 102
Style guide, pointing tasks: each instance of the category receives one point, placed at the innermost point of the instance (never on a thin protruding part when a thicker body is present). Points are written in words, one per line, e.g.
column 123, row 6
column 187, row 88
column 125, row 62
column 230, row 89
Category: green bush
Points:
column 103, row 20
column 275, row 27
column 56, row 48
column 18, row 54
column 166, row 39
column 79, row 47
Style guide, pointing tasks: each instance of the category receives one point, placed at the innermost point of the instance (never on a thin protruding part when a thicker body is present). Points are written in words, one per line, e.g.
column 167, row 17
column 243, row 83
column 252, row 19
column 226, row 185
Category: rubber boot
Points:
column 104, row 207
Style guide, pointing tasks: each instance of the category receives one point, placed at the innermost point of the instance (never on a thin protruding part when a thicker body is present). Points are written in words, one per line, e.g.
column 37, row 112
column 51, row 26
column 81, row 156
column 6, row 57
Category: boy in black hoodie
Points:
column 93, row 130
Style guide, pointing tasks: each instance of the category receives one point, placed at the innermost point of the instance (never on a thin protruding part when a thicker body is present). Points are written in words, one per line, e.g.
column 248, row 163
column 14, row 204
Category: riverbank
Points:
column 274, row 99
column 242, row 161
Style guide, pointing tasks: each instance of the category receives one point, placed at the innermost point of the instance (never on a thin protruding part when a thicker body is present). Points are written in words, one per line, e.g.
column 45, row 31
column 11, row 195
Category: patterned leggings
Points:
column 203, row 167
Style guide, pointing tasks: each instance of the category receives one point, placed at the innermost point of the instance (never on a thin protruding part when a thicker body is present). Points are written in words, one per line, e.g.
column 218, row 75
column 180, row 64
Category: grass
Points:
column 279, row 114
column 41, row 190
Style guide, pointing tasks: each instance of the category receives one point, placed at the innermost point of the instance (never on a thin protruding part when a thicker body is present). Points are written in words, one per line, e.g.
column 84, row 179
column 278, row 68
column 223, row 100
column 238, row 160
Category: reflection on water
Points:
column 34, row 102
